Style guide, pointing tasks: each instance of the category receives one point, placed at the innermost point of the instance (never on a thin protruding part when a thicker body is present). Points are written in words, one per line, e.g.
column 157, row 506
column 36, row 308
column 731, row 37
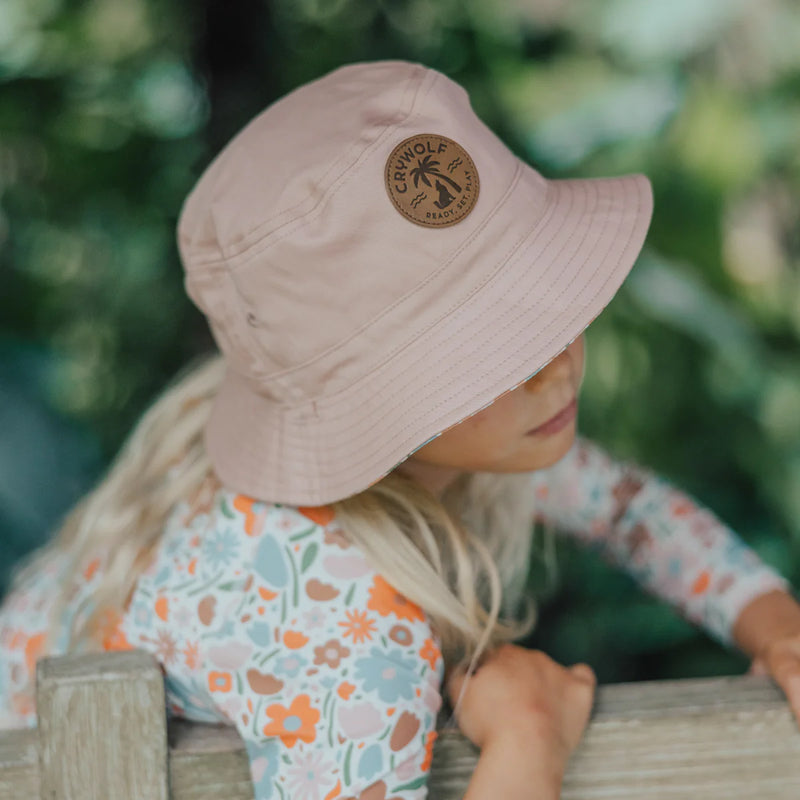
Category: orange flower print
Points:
column 116, row 639
column 293, row 723
column 702, row 583
column 345, row 690
column 162, row 607
column 219, row 682
column 335, row 792
column 109, row 631
column 385, row 599
column 253, row 522
column 320, row 515
column 266, row 594
column 192, row 655
column 33, row 650
column 430, row 652
column 426, row 763
column 358, row 626
column 682, row 507
column 294, row 640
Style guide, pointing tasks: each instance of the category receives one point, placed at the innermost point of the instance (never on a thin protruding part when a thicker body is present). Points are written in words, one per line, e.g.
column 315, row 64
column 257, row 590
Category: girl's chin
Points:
column 535, row 453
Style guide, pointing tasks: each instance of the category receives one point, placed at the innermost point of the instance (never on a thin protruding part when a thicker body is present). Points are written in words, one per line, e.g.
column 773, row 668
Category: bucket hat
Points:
column 376, row 265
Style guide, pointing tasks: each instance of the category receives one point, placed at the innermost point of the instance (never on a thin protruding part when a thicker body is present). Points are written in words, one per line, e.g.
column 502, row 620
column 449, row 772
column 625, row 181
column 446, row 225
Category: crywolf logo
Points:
column 431, row 162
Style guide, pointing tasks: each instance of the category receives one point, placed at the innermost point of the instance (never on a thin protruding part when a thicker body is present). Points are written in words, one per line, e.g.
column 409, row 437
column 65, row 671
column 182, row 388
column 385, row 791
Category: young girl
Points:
column 326, row 528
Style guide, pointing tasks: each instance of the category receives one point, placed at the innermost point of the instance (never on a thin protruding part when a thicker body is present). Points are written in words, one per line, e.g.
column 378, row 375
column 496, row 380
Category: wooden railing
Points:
column 103, row 734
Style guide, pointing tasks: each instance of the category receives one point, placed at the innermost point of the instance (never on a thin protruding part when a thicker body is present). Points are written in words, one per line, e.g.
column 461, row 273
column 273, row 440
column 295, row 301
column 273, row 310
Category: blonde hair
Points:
column 463, row 558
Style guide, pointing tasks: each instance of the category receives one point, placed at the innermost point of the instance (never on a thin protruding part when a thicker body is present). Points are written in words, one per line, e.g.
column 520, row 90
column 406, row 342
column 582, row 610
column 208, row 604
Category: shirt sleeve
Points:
column 267, row 617
column 674, row 548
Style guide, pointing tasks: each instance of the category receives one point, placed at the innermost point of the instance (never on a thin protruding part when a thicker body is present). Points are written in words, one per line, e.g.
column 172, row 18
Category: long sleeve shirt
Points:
column 675, row 549
column 266, row 617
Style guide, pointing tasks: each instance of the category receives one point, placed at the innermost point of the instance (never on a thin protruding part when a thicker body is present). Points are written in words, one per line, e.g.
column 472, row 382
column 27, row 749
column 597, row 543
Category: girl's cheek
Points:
column 580, row 361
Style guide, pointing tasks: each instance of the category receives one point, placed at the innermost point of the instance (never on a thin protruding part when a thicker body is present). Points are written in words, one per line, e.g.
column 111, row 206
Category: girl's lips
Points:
column 559, row 421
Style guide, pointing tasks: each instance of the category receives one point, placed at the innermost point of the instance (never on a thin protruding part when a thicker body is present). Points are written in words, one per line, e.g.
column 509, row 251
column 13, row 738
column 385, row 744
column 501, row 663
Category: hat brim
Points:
column 584, row 245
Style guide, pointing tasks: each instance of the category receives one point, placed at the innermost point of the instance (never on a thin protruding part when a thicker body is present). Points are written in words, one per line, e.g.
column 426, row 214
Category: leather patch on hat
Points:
column 431, row 180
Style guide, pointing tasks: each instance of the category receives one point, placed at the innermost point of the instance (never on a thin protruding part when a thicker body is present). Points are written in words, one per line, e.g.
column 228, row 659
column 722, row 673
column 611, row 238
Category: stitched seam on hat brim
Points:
column 567, row 324
column 557, row 298
column 332, row 494
column 546, row 299
column 635, row 215
column 557, row 335
column 622, row 252
column 253, row 247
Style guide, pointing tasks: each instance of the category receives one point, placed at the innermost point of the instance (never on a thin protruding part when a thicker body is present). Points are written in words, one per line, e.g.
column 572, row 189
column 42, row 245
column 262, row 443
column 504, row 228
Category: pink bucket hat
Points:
column 376, row 266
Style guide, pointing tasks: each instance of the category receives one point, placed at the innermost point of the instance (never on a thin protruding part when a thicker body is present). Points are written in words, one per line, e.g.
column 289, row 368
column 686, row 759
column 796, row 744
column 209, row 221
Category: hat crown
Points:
column 291, row 244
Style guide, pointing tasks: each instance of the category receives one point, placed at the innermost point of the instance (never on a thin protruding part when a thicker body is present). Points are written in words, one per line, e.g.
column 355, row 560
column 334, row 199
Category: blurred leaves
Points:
column 109, row 110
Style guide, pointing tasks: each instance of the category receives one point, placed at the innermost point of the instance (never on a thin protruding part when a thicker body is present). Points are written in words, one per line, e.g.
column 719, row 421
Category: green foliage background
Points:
column 110, row 109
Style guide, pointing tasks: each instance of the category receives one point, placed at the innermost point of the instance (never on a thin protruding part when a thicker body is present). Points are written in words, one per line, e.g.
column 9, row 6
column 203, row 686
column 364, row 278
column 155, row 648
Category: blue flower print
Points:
column 289, row 665
column 391, row 675
column 264, row 762
column 141, row 614
column 329, row 681
column 269, row 562
column 370, row 762
column 261, row 634
column 221, row 548
column 163, row 575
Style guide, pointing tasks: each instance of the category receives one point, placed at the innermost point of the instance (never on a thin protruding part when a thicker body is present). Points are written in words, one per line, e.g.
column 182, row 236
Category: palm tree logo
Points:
column 431, row 180
column 428, row 167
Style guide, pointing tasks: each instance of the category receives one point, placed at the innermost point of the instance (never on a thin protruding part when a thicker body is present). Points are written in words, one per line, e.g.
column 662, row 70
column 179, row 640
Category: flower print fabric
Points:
column 674, row 548
column 265, row 616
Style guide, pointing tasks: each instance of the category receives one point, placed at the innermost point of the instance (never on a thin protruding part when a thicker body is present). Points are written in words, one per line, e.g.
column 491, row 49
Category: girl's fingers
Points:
column 783, row 663
column 584, row 672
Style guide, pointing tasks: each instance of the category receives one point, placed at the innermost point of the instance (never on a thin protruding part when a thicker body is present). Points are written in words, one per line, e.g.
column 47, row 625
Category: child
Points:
column 320, row 530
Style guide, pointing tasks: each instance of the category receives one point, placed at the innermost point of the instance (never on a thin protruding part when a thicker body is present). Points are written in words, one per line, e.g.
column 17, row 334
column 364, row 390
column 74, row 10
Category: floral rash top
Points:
column 265, row 617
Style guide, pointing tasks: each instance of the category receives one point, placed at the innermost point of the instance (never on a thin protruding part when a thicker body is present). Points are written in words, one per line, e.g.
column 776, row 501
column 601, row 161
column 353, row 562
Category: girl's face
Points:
column 507, row 436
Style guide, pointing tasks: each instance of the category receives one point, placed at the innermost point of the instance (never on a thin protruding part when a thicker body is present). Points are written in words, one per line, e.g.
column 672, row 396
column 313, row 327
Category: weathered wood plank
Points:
column 726, row 738
column 19, row 765
column 731, row 738
column 719, row 738
column 102, row 727
column 207, row 761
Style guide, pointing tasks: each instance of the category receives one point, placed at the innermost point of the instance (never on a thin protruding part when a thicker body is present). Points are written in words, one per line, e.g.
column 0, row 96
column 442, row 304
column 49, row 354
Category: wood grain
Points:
column 102, row 727
column 102, row 734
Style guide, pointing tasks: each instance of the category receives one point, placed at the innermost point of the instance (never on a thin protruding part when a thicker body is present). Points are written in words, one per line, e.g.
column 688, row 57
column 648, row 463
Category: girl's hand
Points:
column 781, row 660
column 768, row 629
column 516, row 687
